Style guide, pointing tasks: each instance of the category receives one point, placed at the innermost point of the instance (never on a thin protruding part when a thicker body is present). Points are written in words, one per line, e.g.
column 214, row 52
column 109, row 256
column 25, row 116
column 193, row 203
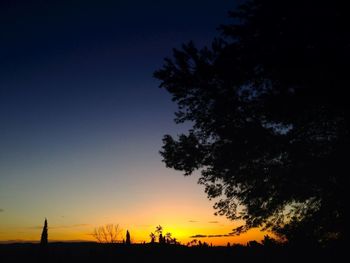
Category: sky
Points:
column 82, row 119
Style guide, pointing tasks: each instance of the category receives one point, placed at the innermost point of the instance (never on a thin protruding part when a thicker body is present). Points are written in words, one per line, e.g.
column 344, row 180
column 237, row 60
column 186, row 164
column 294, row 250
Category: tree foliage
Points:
column 268, row 105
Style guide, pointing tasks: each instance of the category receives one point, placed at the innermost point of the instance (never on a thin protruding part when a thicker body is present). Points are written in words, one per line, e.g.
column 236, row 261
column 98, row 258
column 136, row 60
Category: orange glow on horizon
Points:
column 184, row 233
column 138, row 207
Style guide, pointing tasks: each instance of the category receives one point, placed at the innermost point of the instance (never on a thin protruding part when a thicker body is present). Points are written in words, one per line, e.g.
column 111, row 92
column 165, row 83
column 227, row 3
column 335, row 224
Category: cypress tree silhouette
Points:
column 128, row 241
column 44, row 234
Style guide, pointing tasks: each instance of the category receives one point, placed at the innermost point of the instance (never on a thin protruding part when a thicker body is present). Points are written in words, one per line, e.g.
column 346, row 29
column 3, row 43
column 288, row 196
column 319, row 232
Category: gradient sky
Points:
column 81, row 119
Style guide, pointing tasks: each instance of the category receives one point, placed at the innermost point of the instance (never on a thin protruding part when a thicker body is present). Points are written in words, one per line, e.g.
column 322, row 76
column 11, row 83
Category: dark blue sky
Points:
column 91, row 59
column 80, row 112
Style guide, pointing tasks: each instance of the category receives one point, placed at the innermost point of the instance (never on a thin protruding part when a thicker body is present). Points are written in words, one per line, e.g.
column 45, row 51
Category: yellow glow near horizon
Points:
column 182, row 231
column 75, row 207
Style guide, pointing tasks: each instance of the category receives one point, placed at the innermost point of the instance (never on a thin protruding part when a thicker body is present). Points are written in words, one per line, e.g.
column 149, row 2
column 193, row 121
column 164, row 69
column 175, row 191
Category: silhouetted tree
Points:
column 159, row 231
column 44, row 235
column 270, row 117
column 107, row 234
column 193, row 242
column 153, row 237
column 127, row 241
column 161, row 239
column 269, row 241
column 253, row 244
column 168, row 238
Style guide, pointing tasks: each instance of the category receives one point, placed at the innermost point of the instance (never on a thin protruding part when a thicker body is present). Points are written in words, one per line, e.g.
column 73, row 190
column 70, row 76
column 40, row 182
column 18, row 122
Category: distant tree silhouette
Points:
column 166, row 239
column 270, row 117
column 194, row 241
column 127, row 240
column 174, row 241
column 269, row 241
column 153, row 237
column 253, row 244
column 161, row 239
column 44, row 235
column 159, row 231
column 109, row 233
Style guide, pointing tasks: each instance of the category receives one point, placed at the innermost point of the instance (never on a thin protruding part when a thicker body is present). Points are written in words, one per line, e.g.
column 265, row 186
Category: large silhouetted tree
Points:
column 268, row 105
column 44, row 234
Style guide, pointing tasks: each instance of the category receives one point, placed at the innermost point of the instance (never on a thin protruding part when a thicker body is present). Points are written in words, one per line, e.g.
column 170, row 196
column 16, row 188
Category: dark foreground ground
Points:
column 93, row 252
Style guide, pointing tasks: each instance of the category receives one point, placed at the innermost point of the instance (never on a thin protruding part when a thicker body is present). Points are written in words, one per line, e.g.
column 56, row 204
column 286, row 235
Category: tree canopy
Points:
column 270, row 120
